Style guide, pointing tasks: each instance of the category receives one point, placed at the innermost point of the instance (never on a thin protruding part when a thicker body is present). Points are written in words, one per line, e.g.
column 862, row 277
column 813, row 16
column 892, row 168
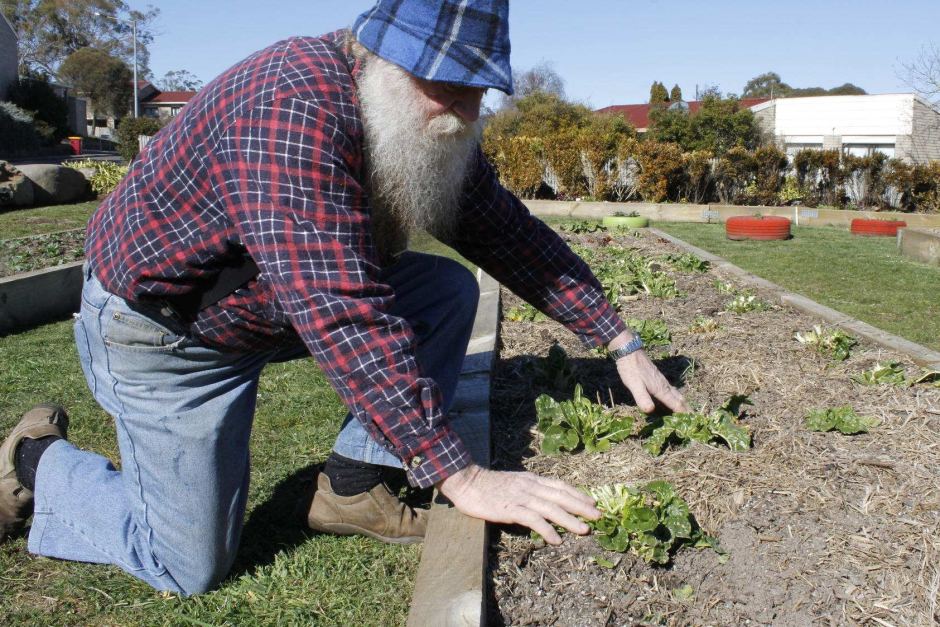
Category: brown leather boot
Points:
column 376, row 513
column 16, row 502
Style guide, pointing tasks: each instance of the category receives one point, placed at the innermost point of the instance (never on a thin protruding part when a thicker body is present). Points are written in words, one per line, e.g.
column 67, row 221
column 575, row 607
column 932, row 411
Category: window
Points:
column 866, row 150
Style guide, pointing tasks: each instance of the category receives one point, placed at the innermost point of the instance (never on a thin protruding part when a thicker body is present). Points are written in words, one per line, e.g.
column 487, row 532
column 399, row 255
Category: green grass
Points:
column 864, row 277
column 283, row 574
column 38, row 220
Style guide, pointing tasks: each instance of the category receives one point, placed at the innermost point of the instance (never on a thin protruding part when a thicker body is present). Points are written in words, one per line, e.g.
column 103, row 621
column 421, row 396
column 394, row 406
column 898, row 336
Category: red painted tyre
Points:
column 867, row 226
column 757, row 227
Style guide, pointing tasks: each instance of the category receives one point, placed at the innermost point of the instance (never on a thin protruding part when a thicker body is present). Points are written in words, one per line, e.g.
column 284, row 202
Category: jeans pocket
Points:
column 130, row 331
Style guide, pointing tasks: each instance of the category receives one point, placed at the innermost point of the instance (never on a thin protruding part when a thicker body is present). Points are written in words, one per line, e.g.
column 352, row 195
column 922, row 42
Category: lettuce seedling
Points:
column 842, row 419
column 834, row 342
column 687, row 261
column 582, row 226
column 744, row 303
column 724, row 287
column 653, row 331
column 683, row 429
column 701, row 324
column 887, row 373
column 651, row 521
column 525, row 313
column 570, row 424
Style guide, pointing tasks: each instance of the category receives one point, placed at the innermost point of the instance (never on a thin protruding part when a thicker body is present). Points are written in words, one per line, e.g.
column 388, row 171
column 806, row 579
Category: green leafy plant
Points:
column 745, row 303
column 570, row 424
column 683, row 429
column 928, row 376
column 653, row 331
column 724, row 287
column 887, row 373
column 702, row 324
column 842, row 419
column 687, row 261
column 525, row 313
column 583, row 226
column 632, row 214
column 834, row 342
column 658, row 284
column 106, row 176
column 650, row 521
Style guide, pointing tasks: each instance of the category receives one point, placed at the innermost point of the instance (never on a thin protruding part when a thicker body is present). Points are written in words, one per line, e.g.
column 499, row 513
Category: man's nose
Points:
column 467, row 103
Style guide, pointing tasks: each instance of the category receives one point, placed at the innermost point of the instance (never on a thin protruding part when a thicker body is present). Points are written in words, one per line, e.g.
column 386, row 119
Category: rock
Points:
column 55, row 184
column 15, row 189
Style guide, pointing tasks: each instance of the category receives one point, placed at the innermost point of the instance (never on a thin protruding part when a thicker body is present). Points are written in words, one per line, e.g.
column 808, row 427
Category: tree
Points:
column 51, row 30
column 542, row 78
column 766, row 85
column 179, row 80
column 676, row 94
column 49, row 110
column 101, row 77
column 658, row 93
column 847, row 89
column 923, row 74
column 717, row 126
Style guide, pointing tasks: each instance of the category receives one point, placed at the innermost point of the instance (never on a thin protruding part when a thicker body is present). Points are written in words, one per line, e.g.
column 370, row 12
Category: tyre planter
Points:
column 626, row 222
column 883, row 228
column 757, row 228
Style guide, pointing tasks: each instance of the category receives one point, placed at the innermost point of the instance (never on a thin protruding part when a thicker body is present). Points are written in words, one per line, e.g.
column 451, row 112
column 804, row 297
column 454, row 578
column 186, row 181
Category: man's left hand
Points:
column 645, row 382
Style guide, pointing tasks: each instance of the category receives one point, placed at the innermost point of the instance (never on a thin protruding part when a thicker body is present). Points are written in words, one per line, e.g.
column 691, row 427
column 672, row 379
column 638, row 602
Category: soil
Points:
column 24, row 254
column 821, row 528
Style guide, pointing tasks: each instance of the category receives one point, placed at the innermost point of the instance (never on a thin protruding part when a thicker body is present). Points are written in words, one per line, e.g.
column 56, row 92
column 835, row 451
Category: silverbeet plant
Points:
column 687, row 261
column 556, row 370
column 568, row 425
column 525, row 313
column 652, row 331
column 887, row 373
column 683, row 429
column 583, row 226
column 651, row 521
column 841, row 419
column 835, row 343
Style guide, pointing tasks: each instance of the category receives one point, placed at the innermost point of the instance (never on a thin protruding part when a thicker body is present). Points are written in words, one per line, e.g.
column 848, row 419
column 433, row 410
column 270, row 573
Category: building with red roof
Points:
column 638, row 115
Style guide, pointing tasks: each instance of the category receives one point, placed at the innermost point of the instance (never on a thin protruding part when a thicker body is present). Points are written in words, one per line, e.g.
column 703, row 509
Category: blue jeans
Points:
column 172, row 516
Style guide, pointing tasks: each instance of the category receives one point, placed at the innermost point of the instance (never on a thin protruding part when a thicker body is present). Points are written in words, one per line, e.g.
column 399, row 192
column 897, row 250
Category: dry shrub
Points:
column 734, row 172
column 770, row 172
column 661, row 170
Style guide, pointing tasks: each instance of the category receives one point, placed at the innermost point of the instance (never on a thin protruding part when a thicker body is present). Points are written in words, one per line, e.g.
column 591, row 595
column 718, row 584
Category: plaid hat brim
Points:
column 433, row 57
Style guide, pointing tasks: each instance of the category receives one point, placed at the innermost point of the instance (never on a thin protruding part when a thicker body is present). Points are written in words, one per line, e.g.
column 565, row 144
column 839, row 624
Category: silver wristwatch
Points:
column 630, row 347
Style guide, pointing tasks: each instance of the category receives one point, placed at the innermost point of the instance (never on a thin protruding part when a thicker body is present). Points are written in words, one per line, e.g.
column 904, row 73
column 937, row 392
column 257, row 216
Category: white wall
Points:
column 885, row 115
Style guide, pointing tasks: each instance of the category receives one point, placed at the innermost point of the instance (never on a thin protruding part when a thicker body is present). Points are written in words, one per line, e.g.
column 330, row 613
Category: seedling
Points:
column 835, row 342
column 650, row 521
column 583, row 226
column 570, row 424
column 888, row 373
column 525, row 313
column 842, row 419
column 688, row 262
column 928, row 376
column 683, row 429
column 724, row 287
column 653, row 331
column 658, row 284
column 701, row 324
column 745, row 303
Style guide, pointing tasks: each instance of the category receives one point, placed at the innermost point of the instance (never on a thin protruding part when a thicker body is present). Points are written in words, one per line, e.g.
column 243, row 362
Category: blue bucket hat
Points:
column 455, row 41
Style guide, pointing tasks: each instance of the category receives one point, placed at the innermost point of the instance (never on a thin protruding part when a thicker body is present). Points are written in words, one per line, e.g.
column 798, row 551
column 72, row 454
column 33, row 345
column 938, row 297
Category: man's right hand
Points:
column 520, row 498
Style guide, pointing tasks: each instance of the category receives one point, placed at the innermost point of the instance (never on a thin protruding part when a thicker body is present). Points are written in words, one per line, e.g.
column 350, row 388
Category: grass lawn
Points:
column 864, row 277
column 38, row 220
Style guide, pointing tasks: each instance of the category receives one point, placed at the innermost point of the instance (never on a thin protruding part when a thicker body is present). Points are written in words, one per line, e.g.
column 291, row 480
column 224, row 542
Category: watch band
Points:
column 630, row 347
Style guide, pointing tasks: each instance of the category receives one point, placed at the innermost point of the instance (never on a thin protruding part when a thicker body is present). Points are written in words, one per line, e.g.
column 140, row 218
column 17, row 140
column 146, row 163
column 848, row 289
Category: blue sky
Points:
column 608, row 51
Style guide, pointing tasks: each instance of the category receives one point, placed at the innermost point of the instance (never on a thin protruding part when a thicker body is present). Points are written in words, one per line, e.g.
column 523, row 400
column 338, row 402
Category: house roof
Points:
column 170, row 97
column 639, row 114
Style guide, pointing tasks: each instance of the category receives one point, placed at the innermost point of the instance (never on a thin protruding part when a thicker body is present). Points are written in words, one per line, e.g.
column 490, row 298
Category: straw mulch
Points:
column 822, row 528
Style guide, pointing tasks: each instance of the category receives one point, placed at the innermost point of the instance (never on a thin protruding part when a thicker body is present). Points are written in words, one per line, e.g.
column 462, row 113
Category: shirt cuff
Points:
column 608, row 325
column 438, row 460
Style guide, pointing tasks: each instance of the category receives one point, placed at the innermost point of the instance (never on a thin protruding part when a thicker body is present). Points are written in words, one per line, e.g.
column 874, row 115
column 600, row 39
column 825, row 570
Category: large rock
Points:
column 15, row 189
column 55, row 184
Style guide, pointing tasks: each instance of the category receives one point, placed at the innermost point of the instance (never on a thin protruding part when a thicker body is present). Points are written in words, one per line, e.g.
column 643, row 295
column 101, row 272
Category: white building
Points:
column 899, row 125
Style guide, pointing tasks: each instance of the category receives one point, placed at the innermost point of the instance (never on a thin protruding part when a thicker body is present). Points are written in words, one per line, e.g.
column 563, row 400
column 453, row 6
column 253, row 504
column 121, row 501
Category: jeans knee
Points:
column 199, row 580
column 461, row 283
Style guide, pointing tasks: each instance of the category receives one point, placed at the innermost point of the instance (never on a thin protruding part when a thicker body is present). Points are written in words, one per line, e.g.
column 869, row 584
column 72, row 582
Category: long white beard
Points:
column 416, row 167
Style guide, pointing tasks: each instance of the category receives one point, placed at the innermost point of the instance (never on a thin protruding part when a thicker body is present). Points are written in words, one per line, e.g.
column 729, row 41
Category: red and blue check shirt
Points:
column 269, row 157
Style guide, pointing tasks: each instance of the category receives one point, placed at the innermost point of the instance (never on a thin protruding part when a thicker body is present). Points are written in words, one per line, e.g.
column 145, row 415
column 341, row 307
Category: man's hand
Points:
column 520, row 498
column 644, row 380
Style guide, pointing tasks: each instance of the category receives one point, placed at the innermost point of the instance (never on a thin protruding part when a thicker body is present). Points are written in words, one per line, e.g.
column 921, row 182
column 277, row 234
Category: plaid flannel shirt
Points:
column 268, row 157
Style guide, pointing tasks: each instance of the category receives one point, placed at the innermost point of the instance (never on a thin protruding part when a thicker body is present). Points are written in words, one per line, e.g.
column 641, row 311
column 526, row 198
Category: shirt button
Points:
column 416, row 461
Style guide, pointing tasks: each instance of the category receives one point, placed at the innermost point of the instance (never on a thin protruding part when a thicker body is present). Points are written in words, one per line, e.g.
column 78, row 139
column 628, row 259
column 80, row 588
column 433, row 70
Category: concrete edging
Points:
column 38, row 297
column 450, row 587
column 921, row 355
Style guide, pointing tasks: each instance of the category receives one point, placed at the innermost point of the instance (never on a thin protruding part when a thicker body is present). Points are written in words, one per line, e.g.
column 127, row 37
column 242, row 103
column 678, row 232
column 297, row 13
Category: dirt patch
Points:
column 820, row 528
column 25, row 254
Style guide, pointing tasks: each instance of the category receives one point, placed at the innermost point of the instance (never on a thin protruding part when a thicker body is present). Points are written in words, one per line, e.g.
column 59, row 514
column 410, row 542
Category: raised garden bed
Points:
column 819, row 528
column 757, row 227
column 36, row 252
column 871, row 226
